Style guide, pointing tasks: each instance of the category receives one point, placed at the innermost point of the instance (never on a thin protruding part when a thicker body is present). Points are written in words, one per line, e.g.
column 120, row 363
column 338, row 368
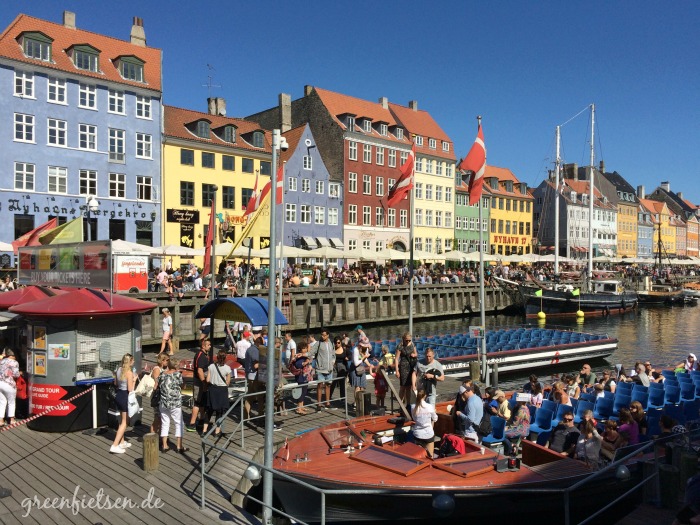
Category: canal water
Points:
column 663, row 335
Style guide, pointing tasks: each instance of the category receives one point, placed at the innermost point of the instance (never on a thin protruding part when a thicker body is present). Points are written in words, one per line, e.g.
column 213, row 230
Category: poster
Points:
column 39, row 363
column 39, row 342
column 59, row 351
column 30, row 363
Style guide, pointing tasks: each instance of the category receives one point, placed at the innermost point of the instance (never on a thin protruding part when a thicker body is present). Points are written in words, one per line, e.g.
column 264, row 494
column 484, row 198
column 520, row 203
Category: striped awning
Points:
column 337, row 243
column 310, row 242
column 323, row 242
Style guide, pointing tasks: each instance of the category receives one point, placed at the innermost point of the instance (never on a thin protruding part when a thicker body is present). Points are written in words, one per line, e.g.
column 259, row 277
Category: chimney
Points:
column 574, row 168
column 640, row 192
column 384, row 102
column 308, row 90
column 217, row 106
column 666, row 185
column 69, row 19
column 285, row 103
column 680, row 194
column 602, row 166
column 413, row 104
column 138, row 35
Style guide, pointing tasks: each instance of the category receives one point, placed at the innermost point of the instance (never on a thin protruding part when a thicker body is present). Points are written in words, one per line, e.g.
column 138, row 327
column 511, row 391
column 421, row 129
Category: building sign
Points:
column 264, row 242
column 510, row 239
column 73, row 265
column 187, row 235
column 233, row 220
column 183, row 216
column 43, row 397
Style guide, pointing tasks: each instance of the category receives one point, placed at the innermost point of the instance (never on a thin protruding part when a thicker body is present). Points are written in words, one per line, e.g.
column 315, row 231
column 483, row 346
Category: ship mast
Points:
column 590, row 201
column 557, row 172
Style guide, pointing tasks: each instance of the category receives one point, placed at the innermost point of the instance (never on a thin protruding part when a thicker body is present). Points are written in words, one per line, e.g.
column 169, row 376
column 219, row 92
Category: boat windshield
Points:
column 341, row 437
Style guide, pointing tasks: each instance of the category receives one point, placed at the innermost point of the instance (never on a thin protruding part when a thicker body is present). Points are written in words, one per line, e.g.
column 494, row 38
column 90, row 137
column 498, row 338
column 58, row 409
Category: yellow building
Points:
column 203, row 150
column 626, row 229
column 510, row 231
column 661, row 218
column 693, row 236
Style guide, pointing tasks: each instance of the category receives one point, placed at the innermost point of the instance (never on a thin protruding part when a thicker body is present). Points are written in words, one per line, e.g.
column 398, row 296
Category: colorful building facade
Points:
column 510, row 215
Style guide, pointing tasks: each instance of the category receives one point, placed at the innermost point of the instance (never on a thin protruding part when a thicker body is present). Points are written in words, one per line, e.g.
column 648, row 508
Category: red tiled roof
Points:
column 293, row 136
column 502, row 174
column 653, row 206
column 64, row 37
column 176, row 120
column 421, row 123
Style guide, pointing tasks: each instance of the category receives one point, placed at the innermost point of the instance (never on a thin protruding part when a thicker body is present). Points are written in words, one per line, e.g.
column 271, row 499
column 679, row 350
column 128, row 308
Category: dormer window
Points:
column 432, row 143
column 37, row 45
column 230, row 134
column 258, row 139
column 367, row 125
column 131, row 68
column 383, row 129
column 350, row 122
column 202, row 129
column 573, row 196
column 419, row 140
column 86, row 58
column 509, row 186
column 445, row 146
column 399, row 133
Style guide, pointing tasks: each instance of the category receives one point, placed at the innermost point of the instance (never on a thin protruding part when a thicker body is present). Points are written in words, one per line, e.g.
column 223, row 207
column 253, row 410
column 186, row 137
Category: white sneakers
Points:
column 125, row 444
column 116, row 450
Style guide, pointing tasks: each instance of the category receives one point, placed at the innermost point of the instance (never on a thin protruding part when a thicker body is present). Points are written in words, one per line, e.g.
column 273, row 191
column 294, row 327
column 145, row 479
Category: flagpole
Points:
column 410, row 242
column 247, row 268
column 212, row 253
column 482, row 293
column 279, row 297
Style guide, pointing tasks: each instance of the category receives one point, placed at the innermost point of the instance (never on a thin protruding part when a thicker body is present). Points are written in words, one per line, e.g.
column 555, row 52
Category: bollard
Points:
column 150, row 452
column 494, row 375
column 668, row 481
column 474, row 370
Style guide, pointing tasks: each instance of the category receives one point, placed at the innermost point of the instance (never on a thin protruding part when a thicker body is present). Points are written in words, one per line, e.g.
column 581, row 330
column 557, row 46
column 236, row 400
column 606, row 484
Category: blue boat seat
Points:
column 543, row 421
column 498, row 428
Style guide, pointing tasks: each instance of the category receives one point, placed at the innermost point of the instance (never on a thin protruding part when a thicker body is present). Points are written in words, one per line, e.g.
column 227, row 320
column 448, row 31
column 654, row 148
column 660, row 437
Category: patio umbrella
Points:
column 366, row 254
column 5, row 247
column 326, row 252
column 456, row 255
column 120, row 246
column 175, row 250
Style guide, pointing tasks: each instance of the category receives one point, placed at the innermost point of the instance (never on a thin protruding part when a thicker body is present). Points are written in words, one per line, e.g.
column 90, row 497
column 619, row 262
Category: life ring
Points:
column 555, row 359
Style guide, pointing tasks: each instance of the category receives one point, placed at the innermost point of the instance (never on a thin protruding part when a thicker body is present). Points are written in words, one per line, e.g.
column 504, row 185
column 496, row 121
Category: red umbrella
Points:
column 26, row 295
column 84, row 302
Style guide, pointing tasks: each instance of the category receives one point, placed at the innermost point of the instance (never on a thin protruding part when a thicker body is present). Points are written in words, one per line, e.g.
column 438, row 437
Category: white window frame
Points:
column 56, row 91
column 399, row 133
column 88, row 178
column 366, row 245
column 445, row 146
column 367, row 215
column 379, row 156
column 319, row 215
column 116, row 102
column 432, row 143
column 379, row 216
column 117, row 184
column 352, row 150
column 332, row 216
column 306, row 185
column 392, row 158
column 378, row 245
column 307, row 163
column 438, row 193
column 56, row 132
column 367, row 126
column 144, row 188
column 391, row 218
column 419, row 164
column 390, row 183
column 143, row 107
column 366, row 184
column 305, row 214
column 334, row 190
column 58, row 180
column 88, row 93
column 438, row 168
column 429, row 192
column 418, row 140
column 352, row 244
column 448, row 194
column 418, row 243
column 438, row 218
column 24, row 128
column 144, row 146
column 87, row 134
column 383, row 129
column 352, row 182
column 428, row 217
column 25, row 176
column 419, row 217
column 379, row 186
column 404, row 157
column 352, row 214
column 290, row 213
column 320, row 187
column 403, row 218
column 367, row 153
column 292, row 184
column 428, row 245
column 418, row 190
column 117, row 145
column 24, row 84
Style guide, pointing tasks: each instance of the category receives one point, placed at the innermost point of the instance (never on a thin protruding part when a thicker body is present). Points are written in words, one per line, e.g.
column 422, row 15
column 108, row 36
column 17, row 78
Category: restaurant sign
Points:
column 72, row 265
column 183, row 216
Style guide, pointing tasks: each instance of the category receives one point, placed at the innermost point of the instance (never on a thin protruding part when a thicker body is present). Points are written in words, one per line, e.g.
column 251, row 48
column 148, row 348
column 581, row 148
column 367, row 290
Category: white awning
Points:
column 310, row 242
column 322, row 242
column 337, row 243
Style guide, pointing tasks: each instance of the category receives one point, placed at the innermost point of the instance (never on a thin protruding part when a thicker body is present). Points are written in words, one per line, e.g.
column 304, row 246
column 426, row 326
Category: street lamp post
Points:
column 92, row 206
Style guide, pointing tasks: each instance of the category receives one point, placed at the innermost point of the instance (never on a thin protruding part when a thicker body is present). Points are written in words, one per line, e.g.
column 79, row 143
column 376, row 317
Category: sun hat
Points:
column 498, row 393
column 462, row 389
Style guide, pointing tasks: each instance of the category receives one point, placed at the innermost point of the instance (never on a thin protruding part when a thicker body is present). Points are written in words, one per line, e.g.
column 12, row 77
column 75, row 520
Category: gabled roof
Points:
column 654, row 207
column 582, row 187
column 621, row 185
column 420, row 122
column 177, row 119
column 293, row 137
column 64, row 38
column 502, row 174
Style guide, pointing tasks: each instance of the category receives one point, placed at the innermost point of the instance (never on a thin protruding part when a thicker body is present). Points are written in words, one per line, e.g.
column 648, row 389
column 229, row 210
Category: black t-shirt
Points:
column 201, row 360
column 563, row 438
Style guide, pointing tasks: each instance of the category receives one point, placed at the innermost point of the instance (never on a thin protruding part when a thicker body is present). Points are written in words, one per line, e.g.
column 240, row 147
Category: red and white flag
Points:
column 405, row 182
column 475, row 166
column 279, row 191
column 254, row 200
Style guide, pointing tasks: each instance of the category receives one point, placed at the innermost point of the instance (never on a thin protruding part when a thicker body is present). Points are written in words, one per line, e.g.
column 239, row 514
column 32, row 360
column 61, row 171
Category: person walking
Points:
column 9, row 372
column 199, row 385
column 427, row 372
column 406, row 358
column 424, row 416
column 167, row 332
column 325, row 363
column 170, row 385
column 218, row 379
column 358, row 373
column 470, row 417
column 157, row 370
column 124, row 380
column 340, row 367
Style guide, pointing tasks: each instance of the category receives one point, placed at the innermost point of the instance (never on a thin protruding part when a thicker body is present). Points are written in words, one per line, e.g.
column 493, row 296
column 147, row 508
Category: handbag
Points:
column 133, row 404
column 145, row 386
column 360, row 370
column 21, row 384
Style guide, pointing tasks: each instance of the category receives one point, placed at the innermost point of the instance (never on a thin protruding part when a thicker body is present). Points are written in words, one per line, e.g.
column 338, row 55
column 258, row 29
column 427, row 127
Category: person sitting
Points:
column 503, row 409
column 612, row 440
column 572, row 387
column 564, row 436
column 560, row 395
column 599, row 390
column 587, row 416
column 536, row 396
column 628, row 427
column 294, row 281
column 640, row 377
column 588, row 446
column 530, row 385
column 690, row 363
column 637, row 412
column 588, row 378
column 424, row 417
column 608, row 382
column 520, row 424
column 305, row 283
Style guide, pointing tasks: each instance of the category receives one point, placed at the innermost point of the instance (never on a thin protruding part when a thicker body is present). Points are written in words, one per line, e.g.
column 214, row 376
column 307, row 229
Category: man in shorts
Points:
column 200, row 367
column 167, row 332
column 205, row 328
column 325, row 363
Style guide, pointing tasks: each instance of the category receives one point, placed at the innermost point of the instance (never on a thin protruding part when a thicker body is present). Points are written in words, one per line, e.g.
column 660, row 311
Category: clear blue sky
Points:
column 524, row 66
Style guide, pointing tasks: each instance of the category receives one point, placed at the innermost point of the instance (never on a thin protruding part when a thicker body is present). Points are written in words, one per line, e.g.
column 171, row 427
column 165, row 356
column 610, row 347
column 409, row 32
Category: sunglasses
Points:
column 568, row 419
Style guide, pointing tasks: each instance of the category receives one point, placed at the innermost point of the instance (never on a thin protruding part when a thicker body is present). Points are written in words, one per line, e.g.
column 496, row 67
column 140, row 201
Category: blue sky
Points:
column 524, row 66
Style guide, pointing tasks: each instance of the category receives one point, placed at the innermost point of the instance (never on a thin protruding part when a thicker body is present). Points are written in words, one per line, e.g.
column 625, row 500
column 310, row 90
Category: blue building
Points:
column 80, row 115
column 312, row 207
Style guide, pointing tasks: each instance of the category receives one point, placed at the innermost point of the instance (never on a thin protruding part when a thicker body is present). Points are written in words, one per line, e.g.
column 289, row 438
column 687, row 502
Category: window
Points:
column 404, row 157
column 390, row 183
column 367, row 126
column 57, row 90
column 228, row 197
column 399, row 133
column 428, row 244
column 367, row 215
column 247, row 165
column 24, row 176
column 228, row 162
column 24, row 84
column 87, row 96
column 383, row 129
column 445, row 146
column 57, row 132
column 37, row 46
column 418, row 243
column 265, row 168
column 366, row 245
column 428, row 217
column 403, row 218
column 508, row 205
column 448, row 170
column 367, row 153
column 438, row 218
column 208, row 194
column 88, row 182
column 448, row 194
column 116, row 146
column 87, row 137
column 246, row 195
column 307, row 164
column 143, row 107
column 131, row 68
column 350, row 123
column 448, row 219
column 380, row 156
column 291, row 184
column 429, row 165
column 258, row 139
column 334, row 190
column 438, row 193
column 290, row 214
column 419, row 190
column 320, row 187
column 429, row 192
column 352, row 150
column 419, row 140
column 379, row 186
column 208, row 160
column 24, row 127
column 392, row 158
column 333, row 216
column 144, row 188
column 86, row 58
column 143, row 146
column 202, row 129
column 418, row 219
column 58, row 179
column 186, row 157
column 305, row 185
column 392, row 218
column 305, row 214
column 230, row 134
column 432, row 143
column 366, row 184
column 352, row 182
column 419, row 164
column 186, row 193
column 117, row 185
column 116, row 102
column 319, row 215
column 352, row 214
column 379, row 215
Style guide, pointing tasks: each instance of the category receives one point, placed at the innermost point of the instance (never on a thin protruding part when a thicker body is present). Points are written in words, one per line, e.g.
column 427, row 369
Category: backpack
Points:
column 293, row 369
column 451, row 445
column 484, row 428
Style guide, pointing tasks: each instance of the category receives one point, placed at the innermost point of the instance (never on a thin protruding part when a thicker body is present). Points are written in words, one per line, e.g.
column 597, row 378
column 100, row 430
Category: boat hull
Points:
column 559, row 303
